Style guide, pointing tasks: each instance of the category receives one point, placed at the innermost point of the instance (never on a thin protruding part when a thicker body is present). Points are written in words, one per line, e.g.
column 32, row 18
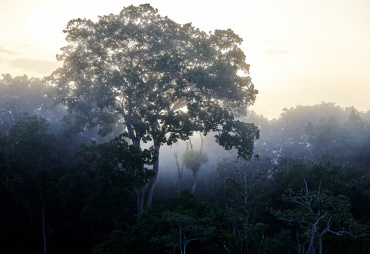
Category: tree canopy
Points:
column 153, row 74
column 20, row 95
column 162, row 80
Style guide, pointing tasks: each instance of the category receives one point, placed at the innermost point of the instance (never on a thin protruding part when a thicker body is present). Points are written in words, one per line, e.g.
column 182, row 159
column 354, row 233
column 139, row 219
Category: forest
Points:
column 142, row 142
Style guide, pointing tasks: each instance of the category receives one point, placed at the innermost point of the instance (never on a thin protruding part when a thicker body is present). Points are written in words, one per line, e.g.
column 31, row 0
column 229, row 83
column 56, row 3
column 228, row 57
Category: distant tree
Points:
column 326, row 140
column 357, row 146
column 162, row 80
column 344, row 143
column 29, row 151
column 286, row 138
column 193, row 160
column 20, row 95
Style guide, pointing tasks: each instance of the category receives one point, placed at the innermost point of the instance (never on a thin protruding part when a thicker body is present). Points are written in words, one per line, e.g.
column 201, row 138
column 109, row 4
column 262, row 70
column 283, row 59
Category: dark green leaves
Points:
column 118, row 160
column 30, row 144
column 145, row 68
column 193, row 159
column 239, row 135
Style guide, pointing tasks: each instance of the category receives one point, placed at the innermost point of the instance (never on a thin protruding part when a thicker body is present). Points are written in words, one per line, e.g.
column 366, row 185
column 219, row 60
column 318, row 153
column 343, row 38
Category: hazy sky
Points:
column 301, row 52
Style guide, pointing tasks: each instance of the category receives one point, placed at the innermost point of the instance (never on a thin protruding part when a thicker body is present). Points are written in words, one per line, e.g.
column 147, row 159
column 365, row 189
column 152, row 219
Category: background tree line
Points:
column 82, row 200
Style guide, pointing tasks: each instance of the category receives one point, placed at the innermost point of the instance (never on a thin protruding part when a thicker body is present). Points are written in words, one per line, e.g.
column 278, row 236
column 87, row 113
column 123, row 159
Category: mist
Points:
column 147, row 138
column 324, row 144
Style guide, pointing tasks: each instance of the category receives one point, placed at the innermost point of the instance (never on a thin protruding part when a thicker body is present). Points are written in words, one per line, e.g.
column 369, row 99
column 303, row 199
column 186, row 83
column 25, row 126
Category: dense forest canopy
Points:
column 80, row 152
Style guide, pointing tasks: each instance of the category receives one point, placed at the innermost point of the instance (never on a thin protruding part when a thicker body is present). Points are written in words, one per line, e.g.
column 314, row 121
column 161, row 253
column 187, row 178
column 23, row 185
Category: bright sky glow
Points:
column 301, row 52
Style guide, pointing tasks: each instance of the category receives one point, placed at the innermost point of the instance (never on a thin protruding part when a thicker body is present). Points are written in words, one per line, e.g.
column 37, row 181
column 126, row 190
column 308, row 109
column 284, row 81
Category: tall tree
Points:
column 29, row 150
column 162, row 80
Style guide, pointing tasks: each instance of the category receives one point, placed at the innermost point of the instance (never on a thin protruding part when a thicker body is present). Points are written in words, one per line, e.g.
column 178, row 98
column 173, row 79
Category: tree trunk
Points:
column 177, row 186
column 140, row 192
column 140, row 201
column 311, row 247
column 179, row 175
column 180, row 242
column 320, row 244
column 150, row 186
column 136, row 142
column 43, row 226
column 194, row 181
column 43, row 221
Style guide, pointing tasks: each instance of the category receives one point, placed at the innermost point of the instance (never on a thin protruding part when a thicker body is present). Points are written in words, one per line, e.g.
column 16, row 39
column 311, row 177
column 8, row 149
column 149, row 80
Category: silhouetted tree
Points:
column 160, row 79
column 29, row 150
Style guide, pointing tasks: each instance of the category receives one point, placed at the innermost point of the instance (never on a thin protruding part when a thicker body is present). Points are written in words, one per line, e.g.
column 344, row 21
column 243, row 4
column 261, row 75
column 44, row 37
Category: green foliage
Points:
column 144, row 74
column 115, row 244
column 314, row 204
column 117, row 157
column 26, row 181
column 94, row 204
column 145, row 70
column 239, row 135
column 333, row 177
column 191, row 226
column 320, row 212
column 105, row 177
column 30, row 144
column 281, row 242
column 162, row 80
column 193, row 159
column 244, row 192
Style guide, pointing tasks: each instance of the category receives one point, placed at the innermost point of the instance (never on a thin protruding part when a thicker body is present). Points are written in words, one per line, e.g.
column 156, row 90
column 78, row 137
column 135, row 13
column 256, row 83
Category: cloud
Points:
column 35, row 66
column 7, row 51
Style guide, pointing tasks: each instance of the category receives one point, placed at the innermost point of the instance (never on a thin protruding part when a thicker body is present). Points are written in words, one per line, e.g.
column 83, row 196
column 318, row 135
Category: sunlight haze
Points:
column 300, row 52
